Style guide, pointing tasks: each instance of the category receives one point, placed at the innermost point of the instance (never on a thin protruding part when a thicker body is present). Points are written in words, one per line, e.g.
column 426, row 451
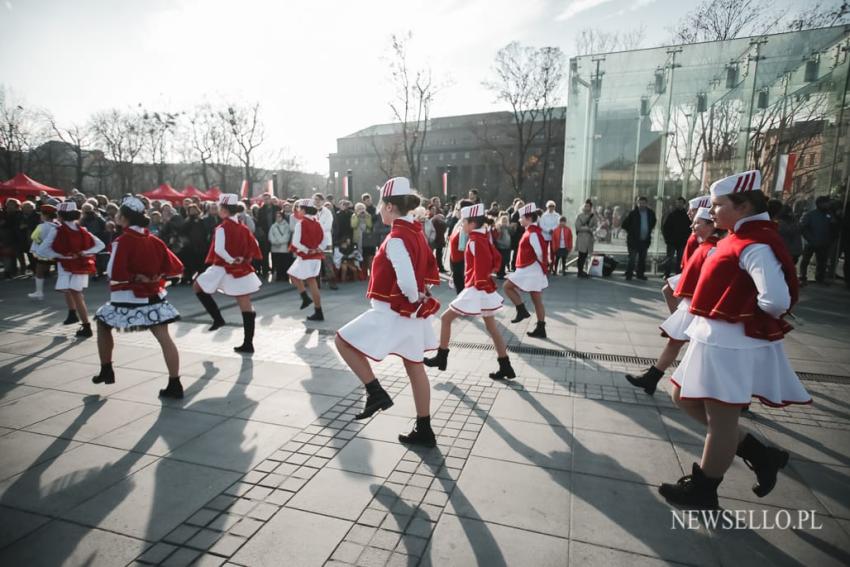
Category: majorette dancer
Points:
column 675, row 326
column 231, row 272
column 138, row 267
column 531, row 270
column 479, row 297
column 74, row 248
column 45, row 232
column 457, row 245
column 399, row 321
column 736, row 352
column 306, row 244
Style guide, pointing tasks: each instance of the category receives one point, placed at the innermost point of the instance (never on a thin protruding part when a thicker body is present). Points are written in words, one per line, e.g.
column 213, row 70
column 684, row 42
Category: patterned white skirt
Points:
column 529, row 278
column 216, row 278
column 380, row 332
column 127, row 317
column 736, row 375
column 476, row 303
column 304, row 269
column 676, row 325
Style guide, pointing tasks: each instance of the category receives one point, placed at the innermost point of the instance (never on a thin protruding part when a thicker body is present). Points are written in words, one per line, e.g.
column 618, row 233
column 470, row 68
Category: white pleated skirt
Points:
column 66, row 281
column 304, row 269
column 736, row 375
column 216, row 279
column 529, row 278
column 477, row 303
column 380, row 332
column 676, row 325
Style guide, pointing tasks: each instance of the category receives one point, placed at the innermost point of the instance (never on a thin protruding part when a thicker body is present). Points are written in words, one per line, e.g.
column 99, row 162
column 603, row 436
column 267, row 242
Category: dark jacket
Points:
column 342, row 226
column 676, row 228
column 817, row 228
column 631, row 224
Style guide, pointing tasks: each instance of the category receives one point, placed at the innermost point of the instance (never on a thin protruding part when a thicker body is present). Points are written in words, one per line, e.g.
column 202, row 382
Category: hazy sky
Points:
column 316, row 66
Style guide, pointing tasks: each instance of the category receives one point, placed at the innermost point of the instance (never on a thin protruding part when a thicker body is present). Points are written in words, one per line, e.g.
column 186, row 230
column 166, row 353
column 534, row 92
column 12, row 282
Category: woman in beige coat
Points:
column 586, row 222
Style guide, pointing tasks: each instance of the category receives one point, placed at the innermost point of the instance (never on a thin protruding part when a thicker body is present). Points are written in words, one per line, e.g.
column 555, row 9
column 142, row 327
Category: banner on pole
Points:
column 244, row 192
column 445, row 184
column 785, row 172
column 345, row 187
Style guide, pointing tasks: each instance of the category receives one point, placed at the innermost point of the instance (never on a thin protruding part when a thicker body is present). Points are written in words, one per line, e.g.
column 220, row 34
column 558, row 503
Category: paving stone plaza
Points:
column 261, row 464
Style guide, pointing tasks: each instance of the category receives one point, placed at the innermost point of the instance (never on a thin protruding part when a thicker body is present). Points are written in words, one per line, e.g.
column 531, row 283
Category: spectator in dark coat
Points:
column 342, row 223
column 817, row 228
column 264, row 220
column 638, row 224
column 676, row 229
column 193, row 234
column 789, row 230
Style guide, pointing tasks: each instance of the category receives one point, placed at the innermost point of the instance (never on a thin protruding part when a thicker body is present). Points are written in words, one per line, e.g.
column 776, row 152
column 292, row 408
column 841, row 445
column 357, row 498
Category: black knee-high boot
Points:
column 248, row 321
column 212, row 308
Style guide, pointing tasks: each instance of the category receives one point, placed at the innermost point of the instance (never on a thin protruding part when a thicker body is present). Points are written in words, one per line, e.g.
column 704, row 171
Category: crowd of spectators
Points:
column 355, row 230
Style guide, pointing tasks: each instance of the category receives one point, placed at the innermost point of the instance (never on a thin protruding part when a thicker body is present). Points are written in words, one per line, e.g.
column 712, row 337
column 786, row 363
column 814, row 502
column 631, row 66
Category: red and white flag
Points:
column 445, row 184
column 270, row 186
column 785, row 172
column 244, row 192
column 345, row 186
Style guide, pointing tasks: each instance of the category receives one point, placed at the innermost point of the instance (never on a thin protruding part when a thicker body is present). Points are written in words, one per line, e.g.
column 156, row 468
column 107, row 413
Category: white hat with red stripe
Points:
column 738, row 183
column 301, row 203
column 228, row 199
column 697, row 202
column 704, row 213
column 471, row 211
column 528, row 209
column 67, row 206
column 396, row 187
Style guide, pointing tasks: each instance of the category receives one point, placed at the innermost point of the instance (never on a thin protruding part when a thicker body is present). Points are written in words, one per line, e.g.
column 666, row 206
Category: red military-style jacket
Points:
column 525, row 253
column 142, row 254
column 69, row 242
column 312, row 236
column 239, row 242
column 690, row 275
column 481, row 265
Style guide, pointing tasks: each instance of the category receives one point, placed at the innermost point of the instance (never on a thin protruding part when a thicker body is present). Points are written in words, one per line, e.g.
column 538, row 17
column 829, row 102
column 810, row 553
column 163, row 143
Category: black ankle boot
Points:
column 648, row 380
column 84, row 331
column 248, row 320
column 422, row 434
column 173, row 390
column 505, row 370
column 376, row 399
column 521, row 313
column 764, row 461
column 305, row 300
column 539, row 331
column 317, row 315
column 692, row 491
column 440, row 360
column 106, row 376
column 71, row 318
column 212, row 308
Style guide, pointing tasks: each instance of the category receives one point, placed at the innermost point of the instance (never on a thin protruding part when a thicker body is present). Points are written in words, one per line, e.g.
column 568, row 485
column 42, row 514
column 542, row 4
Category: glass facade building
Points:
column 666, row 122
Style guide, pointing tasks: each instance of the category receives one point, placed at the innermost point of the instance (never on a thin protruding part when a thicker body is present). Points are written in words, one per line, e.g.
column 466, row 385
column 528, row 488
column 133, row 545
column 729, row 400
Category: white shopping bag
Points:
column 596, row 266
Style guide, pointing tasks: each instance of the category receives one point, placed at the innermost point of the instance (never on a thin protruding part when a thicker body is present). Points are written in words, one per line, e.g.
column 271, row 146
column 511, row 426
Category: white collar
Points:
column 72, row 225
column 759, row 217
column 138, row 229
column 481, row 230
column 408, row 218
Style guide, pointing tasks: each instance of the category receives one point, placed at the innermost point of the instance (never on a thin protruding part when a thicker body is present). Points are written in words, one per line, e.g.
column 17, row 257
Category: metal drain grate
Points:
column 559, row 353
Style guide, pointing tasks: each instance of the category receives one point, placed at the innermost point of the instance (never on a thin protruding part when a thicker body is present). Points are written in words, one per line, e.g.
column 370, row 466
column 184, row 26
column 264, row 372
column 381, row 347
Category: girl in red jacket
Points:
column 479, row 297
column 308, row 246
column 531, row 270
column 736, row 353
column 138, row 267
column 675, row 327
column 231, row 272
column 399, row 321
column 74, row 248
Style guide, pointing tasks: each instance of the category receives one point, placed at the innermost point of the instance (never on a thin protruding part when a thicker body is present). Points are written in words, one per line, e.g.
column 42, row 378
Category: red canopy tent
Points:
column 192, row 191
column 21, row 187
column 165, row 192
column 214, row 193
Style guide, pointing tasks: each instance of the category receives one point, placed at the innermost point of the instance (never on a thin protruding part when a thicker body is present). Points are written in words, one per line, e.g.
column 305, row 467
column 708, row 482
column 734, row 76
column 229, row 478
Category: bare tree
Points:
column 18, row 132
column 209, row 143
column 78, row 138
column 387, row 154
column 158, row 131
column 527, row 79
column 819, row 15
column 120, row 134
column 594, row 40
column 286, row 167
column 719, row 20
column 247, row 131
column 411, row 104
